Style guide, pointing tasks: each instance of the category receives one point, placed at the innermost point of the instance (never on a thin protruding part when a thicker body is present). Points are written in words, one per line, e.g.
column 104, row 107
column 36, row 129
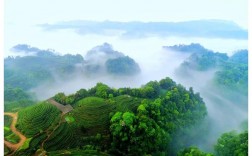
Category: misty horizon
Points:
column 126, row 77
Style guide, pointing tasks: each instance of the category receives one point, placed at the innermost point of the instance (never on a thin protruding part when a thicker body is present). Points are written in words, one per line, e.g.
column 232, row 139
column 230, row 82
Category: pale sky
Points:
column 50, row 11
column 22, row 17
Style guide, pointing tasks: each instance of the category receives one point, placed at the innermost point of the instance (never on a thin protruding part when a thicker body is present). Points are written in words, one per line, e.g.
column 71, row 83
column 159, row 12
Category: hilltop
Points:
column 106, row 120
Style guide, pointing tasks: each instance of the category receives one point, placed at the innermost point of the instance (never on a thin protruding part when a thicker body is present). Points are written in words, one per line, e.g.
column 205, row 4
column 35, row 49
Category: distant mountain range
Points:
column 231, row 72
column 136, row 29
column 39, row 66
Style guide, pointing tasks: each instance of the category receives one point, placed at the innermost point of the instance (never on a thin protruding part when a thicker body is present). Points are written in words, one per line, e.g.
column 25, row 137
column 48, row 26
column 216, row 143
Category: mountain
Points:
column 46, row 66
column 137, row 29
column 240, row 56
column 191, row 48
column 200, row 58
column 30, row 71
column 106, row 120
column 231, row 72
column 122, row 66
column 104, row 59
column 32, row 50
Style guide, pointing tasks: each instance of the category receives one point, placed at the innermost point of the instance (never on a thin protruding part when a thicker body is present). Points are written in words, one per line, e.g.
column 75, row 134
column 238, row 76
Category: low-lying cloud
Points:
column 130, row 30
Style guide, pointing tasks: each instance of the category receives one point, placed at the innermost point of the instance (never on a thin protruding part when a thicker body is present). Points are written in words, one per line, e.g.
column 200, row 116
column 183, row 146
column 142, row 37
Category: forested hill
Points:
column 231, row 71
column 37, row 67
column 40, row 66
column 104, row 120
column 191, row 48
column 158, row 118
column 104, row 58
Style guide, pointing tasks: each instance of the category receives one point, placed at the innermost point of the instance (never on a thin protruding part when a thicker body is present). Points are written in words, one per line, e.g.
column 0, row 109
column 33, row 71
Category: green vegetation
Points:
column 69, row 119
column 156, row 119
column 240, row 56
column 16, row 99
column 193, row 151
column 122, row 66
column 7, row 120
column 37, row 118
column 13, row 138
column 26, row 144
column 15, row 106
column 7, row 124
column 71, row 99
column 6, row 150
column 34, row 144
column 233, row 76
column 127, row 121
column 30, row 71
column 229, row 144
column 232, row 72
column 104, row 59
column 77, row 152
column 15, row 94
column 136, row 135
column 6, row 128
column 205, row 61
column 232, row 144
column 92, row 115
column 61, row 138
column 159, row 111
column 192, row 48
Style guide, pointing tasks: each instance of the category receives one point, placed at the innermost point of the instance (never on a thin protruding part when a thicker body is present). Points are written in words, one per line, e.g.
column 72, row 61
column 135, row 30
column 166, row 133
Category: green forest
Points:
column 124, row 121
column 160, row 118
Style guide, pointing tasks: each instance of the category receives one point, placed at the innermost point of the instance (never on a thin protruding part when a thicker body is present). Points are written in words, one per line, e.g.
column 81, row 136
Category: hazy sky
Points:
column 48, row 11
column 22, row 17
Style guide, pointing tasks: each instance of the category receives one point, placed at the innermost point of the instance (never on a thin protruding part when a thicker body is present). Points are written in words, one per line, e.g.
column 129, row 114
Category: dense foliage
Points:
column 122, row 66
column 104, row 59
column 205, row 60
column 231, row 72
column 232, row 144
column 193, row 151
column 240, row 56
column 233, row 77
column 234, row 73
column 36, row 118
column 16, row 99
column 124, row 121
column 166, row 109
column 30, row 71
column 156, row 119
column 192, row 48
column 15, row 94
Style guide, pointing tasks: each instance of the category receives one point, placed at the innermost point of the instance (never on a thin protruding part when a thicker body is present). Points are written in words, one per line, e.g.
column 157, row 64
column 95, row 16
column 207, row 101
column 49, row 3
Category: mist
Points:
column 154, row 66
column 67, row 41
column 224, row 113
column 156, row 63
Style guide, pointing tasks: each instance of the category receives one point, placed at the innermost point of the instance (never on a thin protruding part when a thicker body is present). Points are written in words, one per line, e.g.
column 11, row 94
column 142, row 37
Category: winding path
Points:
column 15, row 147
column 12, row 146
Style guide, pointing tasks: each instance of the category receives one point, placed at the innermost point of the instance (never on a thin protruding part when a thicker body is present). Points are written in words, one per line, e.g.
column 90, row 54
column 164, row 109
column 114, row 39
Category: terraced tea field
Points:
column 36, row 119
column 41, row 123
column 50, row 126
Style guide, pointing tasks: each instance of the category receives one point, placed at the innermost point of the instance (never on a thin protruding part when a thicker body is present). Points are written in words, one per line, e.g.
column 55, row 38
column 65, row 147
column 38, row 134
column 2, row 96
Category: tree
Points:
column 232, row 144
column 193, row 151
column 166, row 83
column 60, row 98
column 80, row 94
column 123, row 131
column 122, row 66
column 102, row 90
